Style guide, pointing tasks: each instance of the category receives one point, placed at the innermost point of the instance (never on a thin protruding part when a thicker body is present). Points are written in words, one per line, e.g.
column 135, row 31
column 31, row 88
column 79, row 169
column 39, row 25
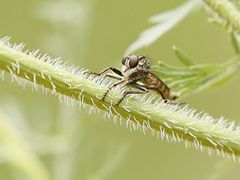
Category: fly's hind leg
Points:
column 166, row 96
column 164, row 91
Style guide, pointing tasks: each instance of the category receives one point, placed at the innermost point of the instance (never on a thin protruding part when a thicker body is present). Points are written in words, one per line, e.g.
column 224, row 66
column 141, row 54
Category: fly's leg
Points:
column 156, row 88
column 114, row 77
column 116, row 71
column 127, row 92
column 165, row 99
column 114, row 85
column 153, row 87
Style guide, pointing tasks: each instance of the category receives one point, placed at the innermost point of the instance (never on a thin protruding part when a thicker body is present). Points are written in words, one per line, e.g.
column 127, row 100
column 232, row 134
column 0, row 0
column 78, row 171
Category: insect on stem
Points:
column 136, row 69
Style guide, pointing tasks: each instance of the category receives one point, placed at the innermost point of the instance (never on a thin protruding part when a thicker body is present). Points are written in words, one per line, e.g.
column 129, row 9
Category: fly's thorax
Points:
column 144, row 66
column 135, row 74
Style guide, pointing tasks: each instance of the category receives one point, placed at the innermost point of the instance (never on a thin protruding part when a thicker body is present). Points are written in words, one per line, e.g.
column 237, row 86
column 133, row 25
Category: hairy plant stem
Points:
column 171, row 122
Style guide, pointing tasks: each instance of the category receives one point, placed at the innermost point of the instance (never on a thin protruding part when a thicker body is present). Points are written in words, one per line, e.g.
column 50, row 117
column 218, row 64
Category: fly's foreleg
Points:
column 116, row 71
column 114, row 77
column 127, row 92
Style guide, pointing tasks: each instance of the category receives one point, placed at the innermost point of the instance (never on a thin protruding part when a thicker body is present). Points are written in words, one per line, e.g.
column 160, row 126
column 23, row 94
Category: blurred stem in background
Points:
column 15, row 151
column 220, row 170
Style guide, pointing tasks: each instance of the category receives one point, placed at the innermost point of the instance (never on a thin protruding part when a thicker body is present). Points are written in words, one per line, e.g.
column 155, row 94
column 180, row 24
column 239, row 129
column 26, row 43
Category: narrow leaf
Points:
column 165, row 21
column 234, row 42
column 182, row 56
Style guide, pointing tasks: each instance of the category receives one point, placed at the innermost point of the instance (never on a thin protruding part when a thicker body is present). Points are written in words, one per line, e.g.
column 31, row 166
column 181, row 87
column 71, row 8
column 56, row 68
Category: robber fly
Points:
column 137, row 73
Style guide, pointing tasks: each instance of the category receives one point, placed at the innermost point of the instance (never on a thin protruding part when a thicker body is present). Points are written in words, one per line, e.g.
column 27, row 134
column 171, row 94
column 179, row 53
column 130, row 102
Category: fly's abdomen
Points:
column 158, row 85
column 165, row 91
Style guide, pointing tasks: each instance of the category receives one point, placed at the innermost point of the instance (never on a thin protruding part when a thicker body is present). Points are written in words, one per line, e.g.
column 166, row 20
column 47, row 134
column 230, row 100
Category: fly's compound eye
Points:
column 133, row 61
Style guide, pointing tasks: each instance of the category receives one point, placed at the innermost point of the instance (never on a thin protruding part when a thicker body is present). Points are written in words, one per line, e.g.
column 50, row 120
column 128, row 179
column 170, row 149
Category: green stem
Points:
column 171, row 122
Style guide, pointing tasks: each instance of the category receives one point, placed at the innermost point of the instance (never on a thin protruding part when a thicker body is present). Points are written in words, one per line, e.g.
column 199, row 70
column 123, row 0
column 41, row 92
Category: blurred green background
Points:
column 64, row 142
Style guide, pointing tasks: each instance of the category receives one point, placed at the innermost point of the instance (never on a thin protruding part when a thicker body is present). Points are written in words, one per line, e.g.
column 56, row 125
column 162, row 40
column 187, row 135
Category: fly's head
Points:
column 137, row 63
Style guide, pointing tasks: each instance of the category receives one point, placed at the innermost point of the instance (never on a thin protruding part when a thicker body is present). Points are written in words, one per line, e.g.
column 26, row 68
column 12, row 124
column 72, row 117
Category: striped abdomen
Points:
column 153, row 82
